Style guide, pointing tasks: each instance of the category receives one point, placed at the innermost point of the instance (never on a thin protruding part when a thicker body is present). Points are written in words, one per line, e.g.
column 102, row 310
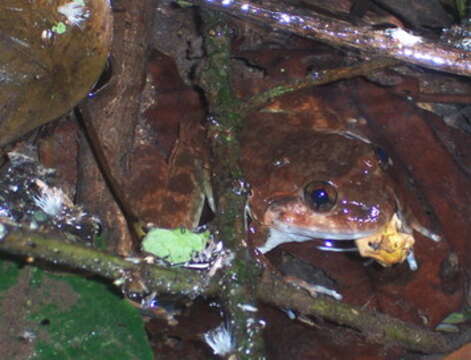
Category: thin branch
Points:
column 319, row 78
column 376, row 327
column 395, row 43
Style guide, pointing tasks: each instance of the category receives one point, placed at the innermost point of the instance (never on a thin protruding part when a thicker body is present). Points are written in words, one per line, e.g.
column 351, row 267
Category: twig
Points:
column 393, row 42
column 378, row 328
column 320, row 78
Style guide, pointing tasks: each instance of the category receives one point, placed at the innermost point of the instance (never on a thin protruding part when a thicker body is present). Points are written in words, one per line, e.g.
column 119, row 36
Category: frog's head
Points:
column 340, row 193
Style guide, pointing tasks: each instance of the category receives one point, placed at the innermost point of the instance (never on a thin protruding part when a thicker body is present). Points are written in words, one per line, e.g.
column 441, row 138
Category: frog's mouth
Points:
column 388, row 245
column 282, row 233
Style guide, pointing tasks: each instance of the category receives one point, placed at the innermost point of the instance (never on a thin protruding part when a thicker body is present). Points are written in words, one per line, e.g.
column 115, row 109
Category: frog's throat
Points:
column 284, row 233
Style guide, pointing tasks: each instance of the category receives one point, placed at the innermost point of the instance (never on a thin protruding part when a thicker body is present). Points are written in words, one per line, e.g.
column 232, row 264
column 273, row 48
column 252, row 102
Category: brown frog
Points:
column 310, row 181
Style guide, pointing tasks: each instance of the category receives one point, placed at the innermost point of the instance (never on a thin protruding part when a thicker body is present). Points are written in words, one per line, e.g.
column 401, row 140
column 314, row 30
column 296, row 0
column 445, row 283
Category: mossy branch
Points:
column 238, row 290
column 57, row 250
column 271, row 289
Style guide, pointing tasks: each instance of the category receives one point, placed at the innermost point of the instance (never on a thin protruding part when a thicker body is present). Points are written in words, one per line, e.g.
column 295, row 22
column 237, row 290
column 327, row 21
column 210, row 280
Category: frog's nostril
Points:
column 320, row 195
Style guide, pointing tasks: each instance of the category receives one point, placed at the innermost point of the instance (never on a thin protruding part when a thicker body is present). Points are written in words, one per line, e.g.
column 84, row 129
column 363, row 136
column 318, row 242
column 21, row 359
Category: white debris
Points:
column 412, row 262
column 75, row 11
column 405, row 38
column 51, row 199
column 133, row 259
column 3, row 231
column 248, row 307
column 220, row 340
column 323, row 290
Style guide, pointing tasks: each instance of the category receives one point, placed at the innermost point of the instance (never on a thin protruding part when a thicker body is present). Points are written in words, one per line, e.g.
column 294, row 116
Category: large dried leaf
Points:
column 51, row 53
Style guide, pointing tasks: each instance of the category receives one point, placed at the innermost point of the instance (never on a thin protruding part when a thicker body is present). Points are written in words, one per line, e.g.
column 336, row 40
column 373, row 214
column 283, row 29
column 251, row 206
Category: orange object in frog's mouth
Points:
column 389, row 246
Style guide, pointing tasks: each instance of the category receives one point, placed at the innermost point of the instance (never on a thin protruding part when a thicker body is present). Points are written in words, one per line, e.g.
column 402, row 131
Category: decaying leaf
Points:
column 51, row 53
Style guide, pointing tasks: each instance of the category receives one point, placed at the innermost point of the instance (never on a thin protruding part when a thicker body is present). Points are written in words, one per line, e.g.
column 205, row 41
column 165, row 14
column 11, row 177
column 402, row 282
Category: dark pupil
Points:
column 319, row 197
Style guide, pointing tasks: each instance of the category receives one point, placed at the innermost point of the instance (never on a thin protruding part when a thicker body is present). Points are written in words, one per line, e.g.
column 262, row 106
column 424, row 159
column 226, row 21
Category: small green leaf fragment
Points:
column 457, row 317
column 184, row 4
column 175, row 246
column 59, row 28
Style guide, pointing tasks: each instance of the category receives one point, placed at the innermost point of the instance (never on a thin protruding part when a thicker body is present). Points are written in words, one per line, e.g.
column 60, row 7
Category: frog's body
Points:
column 320, row 184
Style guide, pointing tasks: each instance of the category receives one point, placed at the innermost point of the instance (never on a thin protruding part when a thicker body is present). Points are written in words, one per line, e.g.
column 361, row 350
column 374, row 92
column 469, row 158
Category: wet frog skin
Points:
column 310, row 183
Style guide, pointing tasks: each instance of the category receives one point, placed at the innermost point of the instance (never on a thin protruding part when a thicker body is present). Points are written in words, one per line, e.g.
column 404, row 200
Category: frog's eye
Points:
column 320, row 195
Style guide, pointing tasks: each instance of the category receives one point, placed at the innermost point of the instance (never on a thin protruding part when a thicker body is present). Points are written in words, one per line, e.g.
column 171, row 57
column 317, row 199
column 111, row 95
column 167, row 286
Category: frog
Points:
column 313, row 181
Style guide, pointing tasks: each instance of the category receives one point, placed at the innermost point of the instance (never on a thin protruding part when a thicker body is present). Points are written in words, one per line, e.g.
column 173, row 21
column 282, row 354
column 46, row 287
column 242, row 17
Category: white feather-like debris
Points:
column 211, row 258
column 313, row 289
column 403, row 37
column 330, row 292
column 248, row 307
column 220, row 340
column 75, row 12
column 3, row 231
column 133, row 259
column 51, row 200
column 150, row 301
column 412, row 261
column 210, row 252
column 224, row 259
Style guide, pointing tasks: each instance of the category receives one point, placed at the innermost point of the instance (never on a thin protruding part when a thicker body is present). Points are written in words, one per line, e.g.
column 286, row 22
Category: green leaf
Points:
column 52, row 316
column 59, row 28
column 458, row 317
column 175, row 246
column 8, row 274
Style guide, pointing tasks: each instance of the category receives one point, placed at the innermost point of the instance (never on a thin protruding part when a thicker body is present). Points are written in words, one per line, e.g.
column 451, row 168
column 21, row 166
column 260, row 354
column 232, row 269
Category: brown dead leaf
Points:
column 51, row 54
